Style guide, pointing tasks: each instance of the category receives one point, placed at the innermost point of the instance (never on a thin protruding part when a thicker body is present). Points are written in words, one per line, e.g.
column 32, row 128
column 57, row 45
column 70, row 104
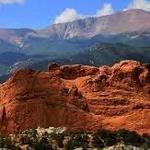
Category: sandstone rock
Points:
column 78, row 97
column 75, row 71
column 53, row 66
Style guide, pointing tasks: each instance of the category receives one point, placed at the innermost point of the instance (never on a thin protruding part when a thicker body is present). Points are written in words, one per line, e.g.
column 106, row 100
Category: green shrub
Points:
column 79, row 139
column 129, row 137
column 103, row 138
column 5, row 142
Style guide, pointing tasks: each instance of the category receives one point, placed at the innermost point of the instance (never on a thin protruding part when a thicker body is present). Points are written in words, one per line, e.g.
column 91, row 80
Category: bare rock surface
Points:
column 78, row 97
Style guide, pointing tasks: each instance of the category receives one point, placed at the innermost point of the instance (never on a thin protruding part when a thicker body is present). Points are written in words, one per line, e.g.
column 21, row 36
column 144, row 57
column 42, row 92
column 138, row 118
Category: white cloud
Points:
column 11, row 1
column 70, row 14
column 67, row 15
column 139, row 4
column 106, row 10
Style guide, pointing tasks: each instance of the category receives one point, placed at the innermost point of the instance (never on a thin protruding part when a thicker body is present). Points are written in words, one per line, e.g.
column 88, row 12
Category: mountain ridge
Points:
column 58, row 30
column 106, row 22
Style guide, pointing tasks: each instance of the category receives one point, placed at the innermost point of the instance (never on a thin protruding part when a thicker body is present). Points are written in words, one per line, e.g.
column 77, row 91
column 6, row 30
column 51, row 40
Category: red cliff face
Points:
column 78, row 97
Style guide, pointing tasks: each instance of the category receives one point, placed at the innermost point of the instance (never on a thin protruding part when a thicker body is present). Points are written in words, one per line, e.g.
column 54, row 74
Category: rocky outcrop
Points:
column 72, row 71
column 78, row 97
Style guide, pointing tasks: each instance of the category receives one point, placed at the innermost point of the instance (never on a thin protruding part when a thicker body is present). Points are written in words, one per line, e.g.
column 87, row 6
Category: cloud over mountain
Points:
column 67, row 15
column 106, row 10
column 70, row 14
column 140, row 4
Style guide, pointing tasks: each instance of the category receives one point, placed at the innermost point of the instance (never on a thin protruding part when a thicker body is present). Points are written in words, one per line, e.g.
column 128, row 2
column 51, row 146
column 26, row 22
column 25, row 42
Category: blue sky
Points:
column 42, row 13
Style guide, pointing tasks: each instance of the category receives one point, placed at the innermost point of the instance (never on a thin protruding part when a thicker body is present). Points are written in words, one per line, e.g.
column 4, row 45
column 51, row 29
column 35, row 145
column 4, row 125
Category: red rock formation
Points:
column 78, row 97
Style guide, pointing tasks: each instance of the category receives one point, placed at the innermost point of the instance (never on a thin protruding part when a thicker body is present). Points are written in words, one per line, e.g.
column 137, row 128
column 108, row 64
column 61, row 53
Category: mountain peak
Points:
column 137, row 11
column 126, row 21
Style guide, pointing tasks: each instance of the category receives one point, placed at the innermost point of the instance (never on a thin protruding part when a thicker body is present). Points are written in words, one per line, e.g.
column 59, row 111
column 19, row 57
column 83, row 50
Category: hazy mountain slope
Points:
column 15, row 36
column 100, row 54
column 3, row 70
column 133, row 39
column 8, row 58
column 97, row 55
column 44, row 46
column 4, row 78
column 106, row 53
column 5, row 46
